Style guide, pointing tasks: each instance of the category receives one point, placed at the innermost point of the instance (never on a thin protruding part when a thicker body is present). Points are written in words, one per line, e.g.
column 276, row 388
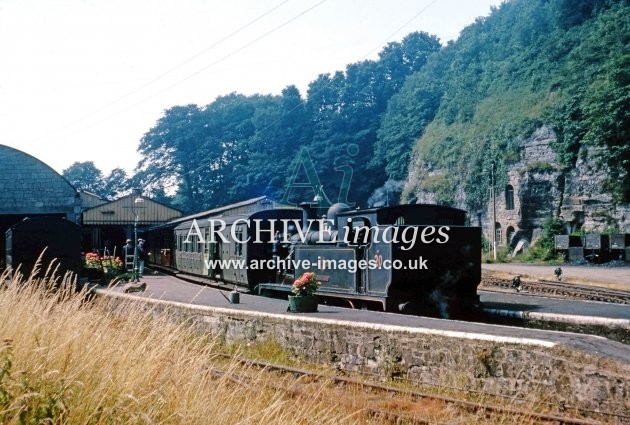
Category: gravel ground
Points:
column 618, row 276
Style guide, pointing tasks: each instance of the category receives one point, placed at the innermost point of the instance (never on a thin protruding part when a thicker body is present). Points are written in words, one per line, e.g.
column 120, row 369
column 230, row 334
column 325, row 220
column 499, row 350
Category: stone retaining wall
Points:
column 500, row 365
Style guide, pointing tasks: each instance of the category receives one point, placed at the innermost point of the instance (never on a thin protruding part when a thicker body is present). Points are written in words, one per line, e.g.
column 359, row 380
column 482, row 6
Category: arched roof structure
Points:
column 29, row 187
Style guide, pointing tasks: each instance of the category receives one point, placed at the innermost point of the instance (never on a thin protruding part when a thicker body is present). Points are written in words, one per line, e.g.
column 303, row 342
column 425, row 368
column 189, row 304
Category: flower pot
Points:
column 303, row 304
column 94, row 275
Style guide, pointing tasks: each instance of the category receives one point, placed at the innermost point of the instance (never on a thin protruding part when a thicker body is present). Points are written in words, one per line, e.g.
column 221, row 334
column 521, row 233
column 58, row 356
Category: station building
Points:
column 30, row 188
column 107, row 225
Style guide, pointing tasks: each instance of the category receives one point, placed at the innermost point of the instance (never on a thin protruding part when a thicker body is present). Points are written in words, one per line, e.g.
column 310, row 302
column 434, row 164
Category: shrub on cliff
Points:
column 543, row 248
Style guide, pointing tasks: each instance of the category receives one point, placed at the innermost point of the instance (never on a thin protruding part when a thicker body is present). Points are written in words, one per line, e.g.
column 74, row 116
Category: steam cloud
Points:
column 387, row 194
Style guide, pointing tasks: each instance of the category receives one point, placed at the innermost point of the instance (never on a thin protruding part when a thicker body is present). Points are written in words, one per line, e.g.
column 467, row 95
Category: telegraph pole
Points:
column 494, row 215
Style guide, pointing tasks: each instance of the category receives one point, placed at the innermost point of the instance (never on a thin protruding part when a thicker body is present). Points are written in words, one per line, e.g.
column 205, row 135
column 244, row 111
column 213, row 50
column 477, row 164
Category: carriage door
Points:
column 205, row 253
column 240, row 253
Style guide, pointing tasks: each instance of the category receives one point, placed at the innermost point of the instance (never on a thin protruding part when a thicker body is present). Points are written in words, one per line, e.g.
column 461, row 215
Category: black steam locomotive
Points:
column 408, row 258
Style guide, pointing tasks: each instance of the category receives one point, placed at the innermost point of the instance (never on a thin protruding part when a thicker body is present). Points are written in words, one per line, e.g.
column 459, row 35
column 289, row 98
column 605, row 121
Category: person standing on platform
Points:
column 142, row 256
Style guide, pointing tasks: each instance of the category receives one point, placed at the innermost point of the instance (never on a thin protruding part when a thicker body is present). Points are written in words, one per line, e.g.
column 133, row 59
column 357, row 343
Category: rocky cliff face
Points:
column 538, row 188
column 586, row 202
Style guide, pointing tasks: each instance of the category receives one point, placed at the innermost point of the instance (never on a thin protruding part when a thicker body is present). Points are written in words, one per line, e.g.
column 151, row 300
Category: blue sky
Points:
column 83, row 80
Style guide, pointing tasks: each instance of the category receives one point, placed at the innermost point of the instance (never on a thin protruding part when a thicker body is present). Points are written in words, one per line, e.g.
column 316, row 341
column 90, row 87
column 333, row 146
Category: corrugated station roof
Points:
column 125, row 209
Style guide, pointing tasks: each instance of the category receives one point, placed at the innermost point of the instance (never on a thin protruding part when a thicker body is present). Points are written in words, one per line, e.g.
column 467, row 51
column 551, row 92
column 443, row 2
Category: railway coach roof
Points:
column 186, row 225
column 279, row 213
column 244, row 207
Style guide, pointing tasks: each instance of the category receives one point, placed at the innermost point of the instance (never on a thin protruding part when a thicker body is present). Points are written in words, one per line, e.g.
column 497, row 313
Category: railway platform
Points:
column 173, row 290
column 532, row 303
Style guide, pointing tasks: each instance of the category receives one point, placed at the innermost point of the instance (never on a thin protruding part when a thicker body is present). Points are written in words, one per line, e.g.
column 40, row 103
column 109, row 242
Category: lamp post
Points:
column 134, row 210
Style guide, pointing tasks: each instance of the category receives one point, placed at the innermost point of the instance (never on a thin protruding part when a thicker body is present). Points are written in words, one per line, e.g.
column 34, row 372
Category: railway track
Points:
column 557, row 289
column 398, row 405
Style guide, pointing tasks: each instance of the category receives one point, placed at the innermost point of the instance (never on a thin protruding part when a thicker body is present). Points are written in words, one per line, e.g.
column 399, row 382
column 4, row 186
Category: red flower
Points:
column 306, row 284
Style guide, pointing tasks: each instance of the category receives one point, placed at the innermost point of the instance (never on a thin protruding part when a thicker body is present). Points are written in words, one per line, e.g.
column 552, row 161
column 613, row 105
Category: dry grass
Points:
column 64, row 360
column 67, row 359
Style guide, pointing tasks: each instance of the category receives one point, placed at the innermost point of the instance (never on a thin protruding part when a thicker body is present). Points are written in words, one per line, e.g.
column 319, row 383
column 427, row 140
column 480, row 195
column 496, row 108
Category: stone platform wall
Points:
column 499, row 365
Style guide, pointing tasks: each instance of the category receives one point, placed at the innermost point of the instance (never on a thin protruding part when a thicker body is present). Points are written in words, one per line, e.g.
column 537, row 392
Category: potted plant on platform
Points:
column 304, row 299
column 101, row 269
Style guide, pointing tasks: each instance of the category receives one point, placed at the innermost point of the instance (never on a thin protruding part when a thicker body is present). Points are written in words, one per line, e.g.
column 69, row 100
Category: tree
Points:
column 85, row 176
column 281, row 126
column 556, row 62
column 228, row 126
column 170, row 155
column 346, row 110
column 408, row 114
column 116, row 184
column 607, row 119
column 399, row 60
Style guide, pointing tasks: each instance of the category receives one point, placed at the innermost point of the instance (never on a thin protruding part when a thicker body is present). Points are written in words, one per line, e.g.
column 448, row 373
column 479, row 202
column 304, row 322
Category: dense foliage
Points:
column 244, row 146
column 544, row 249
column 561, row 63
column 86, row 176
column 452, row 112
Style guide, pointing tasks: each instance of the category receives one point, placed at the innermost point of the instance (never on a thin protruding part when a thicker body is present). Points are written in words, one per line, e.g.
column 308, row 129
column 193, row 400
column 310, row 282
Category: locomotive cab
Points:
column 406, row 258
